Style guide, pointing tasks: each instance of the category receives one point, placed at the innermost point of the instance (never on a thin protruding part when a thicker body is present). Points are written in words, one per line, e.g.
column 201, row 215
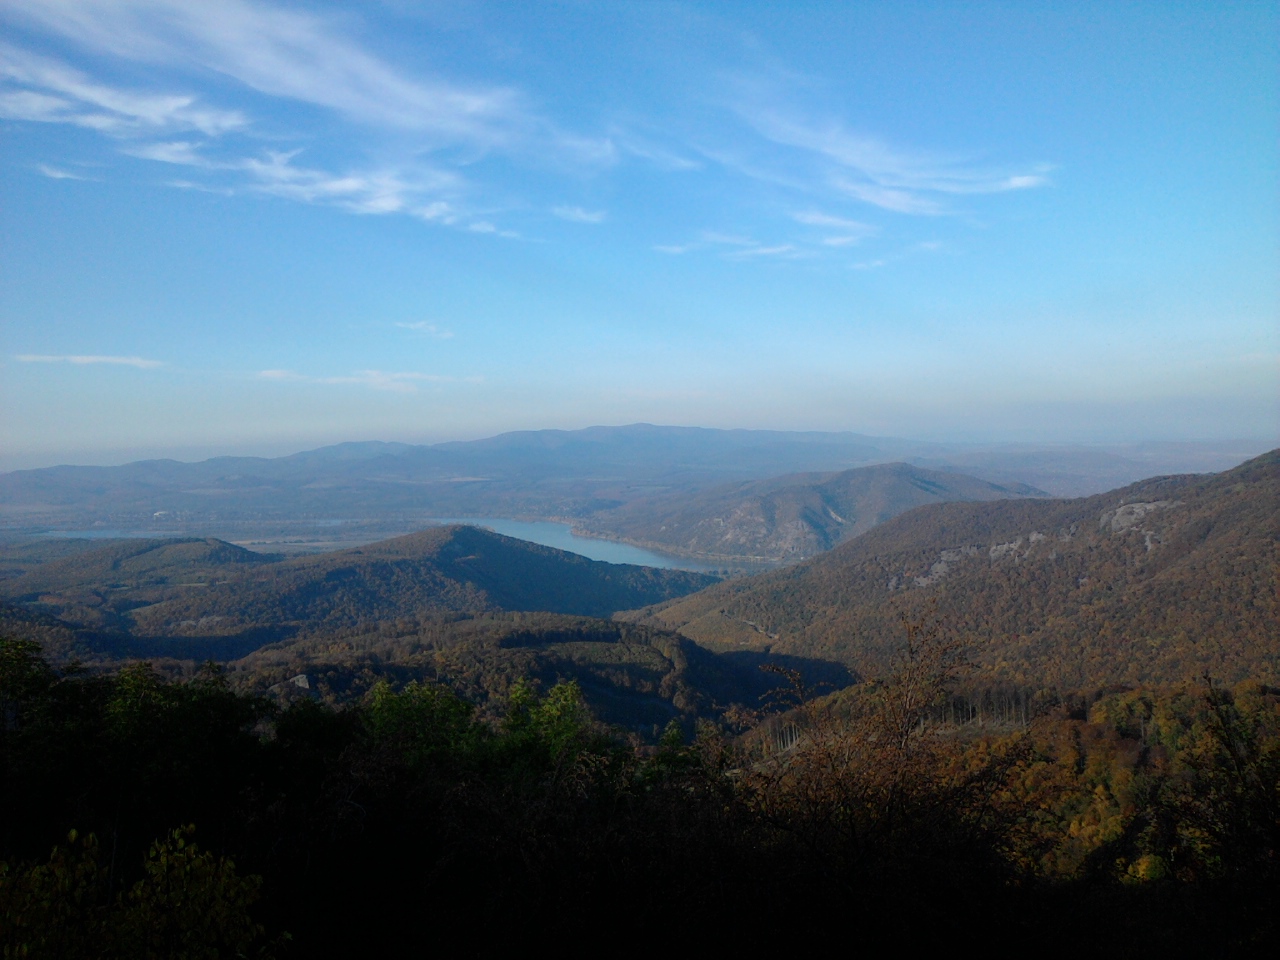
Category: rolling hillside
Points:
column 631, row 675
column 455, row 568
column 789, row 517
column 206, row 588
column 98, row 585
column 1160, row 581
column 369, row 491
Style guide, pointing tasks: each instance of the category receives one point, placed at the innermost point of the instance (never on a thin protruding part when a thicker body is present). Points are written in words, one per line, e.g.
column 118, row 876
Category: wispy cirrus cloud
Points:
column 57, row 173
column 666, row 158
column 872, row 171
column 296, row 54
column 428, row 329
column 915, row 249
column 415, row 140
column 484, row 226
column 394, row 382
column 374, row 191
column 734, row 246
column 282, row 52
column 178, row 151
column 888, row 198
column 742, row 247
column 437, row 127
column 815, row 218
column 787, row 250
column 579, row 215
column 86, row 359
column 361, row 191
column 727, row 239
column 859, row 166
column 48, row 91
column 848, row 231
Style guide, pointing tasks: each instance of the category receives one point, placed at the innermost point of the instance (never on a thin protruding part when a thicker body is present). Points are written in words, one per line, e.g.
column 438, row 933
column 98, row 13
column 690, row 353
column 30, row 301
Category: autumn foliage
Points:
column 323, row 831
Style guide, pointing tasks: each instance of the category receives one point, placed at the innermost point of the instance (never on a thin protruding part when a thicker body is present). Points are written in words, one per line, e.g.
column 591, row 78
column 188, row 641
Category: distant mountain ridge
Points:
column 789, row 517
column 570, row 475
column 1162, row 581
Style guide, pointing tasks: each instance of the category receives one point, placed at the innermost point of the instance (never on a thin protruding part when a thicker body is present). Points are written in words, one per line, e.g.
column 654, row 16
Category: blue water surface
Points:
column 560, row 536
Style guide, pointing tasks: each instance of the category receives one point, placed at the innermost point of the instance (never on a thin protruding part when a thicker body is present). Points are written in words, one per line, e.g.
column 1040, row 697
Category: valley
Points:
column 616, row 483
column 904, row 678
column 1159, row 582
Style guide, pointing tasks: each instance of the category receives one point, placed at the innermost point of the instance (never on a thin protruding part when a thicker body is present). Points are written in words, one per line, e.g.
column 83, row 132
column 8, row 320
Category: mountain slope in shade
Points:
column 631, row 675
column 790, row 517
column 455, row 568
column 1161, row 581
column 98, row 584
column 133, row 562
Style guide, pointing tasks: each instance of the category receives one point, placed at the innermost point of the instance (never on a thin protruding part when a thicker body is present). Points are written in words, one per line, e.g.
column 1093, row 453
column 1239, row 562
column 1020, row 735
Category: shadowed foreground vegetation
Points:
column 209, row 822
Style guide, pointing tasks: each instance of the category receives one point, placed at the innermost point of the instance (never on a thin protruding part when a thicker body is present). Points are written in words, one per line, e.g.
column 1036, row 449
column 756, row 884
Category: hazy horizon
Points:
column 1244, row 447
column 259, row 227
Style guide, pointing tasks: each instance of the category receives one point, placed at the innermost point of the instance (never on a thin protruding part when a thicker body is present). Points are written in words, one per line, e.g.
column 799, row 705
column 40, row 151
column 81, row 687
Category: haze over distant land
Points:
column 740, row 497
column 791, row 469
column 254, row 227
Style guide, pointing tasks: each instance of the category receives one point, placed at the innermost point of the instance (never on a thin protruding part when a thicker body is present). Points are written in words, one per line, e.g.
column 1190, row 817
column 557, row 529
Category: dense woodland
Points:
column 1154, row 583
column 1040, row 721
column 791, row 517
column 151, row 817
column 132, row 595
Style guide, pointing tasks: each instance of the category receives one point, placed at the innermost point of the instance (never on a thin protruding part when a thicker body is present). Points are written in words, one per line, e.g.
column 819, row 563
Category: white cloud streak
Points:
column 814, row 218
column 281, row 53
column 785, row 250
column 296, row 54
column 275, row 173
column 86, row 359
column 317, row 59
column 745, row 248
column 887, row 198
column 579, row 215
column 429, row 329
column 664, row 158
column 290, row 53
column 866, row 168
column 851, row 231
column 57, row 173
column 484, row 226
column 48, row 91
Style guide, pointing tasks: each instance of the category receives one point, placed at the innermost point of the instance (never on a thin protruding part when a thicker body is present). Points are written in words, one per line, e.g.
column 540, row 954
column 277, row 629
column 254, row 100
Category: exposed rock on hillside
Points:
column 1160, row 581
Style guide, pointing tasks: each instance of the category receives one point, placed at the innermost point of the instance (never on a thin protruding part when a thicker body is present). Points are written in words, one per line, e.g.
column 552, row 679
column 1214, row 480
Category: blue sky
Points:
column 257, row 227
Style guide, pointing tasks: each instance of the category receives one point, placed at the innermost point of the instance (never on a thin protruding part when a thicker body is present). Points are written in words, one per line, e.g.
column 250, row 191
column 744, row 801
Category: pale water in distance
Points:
column 560, row 536
column 545, row 532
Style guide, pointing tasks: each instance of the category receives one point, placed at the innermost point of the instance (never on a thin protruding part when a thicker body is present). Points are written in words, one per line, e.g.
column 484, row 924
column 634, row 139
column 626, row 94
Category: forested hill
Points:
column 96, row 585
column 793, row 516
column 206, row 588
column 382, row 489
column 1160, row 581
column 445, row 568
column 632, row 676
